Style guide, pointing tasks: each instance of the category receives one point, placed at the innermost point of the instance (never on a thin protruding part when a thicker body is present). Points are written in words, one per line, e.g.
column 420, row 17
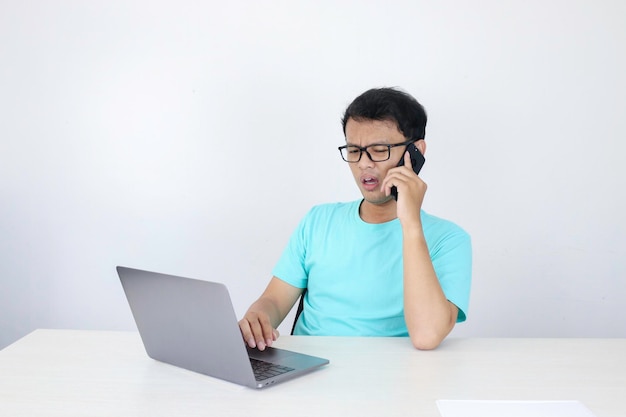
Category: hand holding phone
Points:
column 417, row 162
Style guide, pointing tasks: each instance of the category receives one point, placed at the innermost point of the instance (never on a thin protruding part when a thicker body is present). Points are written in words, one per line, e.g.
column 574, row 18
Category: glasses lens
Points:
column 378, row 153
column 351, row 153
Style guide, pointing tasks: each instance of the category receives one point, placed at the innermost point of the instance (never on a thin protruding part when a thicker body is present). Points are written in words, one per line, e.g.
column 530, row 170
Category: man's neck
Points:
column 377, row 213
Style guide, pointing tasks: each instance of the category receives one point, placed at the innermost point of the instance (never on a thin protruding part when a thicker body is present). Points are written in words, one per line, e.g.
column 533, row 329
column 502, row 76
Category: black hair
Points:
column 389, row 104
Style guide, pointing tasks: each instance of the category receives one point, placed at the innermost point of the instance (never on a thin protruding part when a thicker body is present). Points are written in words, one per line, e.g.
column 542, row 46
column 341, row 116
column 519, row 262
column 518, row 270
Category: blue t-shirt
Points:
column 353, row 270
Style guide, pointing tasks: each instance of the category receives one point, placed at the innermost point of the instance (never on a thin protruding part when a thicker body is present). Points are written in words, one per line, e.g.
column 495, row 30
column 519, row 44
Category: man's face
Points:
column 367, row 174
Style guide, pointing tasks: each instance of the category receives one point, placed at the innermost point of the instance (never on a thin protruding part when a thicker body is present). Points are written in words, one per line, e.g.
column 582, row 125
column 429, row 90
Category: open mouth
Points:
column 369, row 182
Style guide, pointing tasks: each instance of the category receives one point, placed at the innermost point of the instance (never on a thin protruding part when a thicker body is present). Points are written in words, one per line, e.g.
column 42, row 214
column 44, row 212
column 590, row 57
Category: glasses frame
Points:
column 364, row 149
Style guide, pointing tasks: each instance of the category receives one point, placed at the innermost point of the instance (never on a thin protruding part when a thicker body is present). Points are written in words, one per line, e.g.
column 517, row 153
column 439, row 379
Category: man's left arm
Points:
column 429, row 316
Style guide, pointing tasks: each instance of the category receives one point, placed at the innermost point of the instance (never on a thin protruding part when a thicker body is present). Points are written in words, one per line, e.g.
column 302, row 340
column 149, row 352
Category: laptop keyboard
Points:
column 264, row 370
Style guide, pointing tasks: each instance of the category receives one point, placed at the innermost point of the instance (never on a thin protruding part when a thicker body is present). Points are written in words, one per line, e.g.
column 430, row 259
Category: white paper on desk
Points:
column 477, row 408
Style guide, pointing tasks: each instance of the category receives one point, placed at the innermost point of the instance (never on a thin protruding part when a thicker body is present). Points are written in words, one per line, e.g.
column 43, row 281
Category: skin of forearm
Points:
column 428, row 314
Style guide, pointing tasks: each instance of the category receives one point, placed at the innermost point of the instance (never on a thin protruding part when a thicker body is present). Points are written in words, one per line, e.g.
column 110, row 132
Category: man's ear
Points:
column 421, row 145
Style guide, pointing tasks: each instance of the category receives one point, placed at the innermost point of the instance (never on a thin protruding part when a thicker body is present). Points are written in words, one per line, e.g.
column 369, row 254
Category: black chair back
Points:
column 299, row 310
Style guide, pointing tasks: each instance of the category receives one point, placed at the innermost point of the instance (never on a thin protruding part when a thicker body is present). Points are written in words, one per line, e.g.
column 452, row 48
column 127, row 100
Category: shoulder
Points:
column 440, row 230
column 330, row 210
column 324, row 217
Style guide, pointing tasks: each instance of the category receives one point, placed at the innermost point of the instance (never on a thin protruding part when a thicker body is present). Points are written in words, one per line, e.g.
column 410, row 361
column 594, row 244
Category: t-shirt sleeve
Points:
column 291, row 266
column 452, row 260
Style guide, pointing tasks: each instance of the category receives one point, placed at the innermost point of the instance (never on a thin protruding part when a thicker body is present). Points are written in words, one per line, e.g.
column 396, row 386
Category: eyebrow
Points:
column 371, row 144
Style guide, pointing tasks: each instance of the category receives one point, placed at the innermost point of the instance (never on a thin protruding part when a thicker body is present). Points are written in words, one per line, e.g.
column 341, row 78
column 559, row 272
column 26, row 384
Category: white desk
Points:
column 97, row 373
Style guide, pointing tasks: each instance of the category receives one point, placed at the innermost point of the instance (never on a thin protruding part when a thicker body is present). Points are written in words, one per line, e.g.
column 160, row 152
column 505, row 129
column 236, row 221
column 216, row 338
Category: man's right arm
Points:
column 258, row 326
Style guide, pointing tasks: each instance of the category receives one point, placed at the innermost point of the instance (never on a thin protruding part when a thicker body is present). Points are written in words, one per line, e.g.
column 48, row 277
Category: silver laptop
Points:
column 191, row 324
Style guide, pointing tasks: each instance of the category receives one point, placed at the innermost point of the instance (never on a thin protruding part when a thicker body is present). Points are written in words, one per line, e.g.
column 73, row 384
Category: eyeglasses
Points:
column 376, row 152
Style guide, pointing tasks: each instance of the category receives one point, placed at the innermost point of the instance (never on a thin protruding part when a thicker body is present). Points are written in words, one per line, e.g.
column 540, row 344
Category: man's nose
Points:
column 365, row 160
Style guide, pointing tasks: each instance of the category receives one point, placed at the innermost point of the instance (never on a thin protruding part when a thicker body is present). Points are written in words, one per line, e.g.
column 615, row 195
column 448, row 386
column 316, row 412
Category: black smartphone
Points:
column 417, row 160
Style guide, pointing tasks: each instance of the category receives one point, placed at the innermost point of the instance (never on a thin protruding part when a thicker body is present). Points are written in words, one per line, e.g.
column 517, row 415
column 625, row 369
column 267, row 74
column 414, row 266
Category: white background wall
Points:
column 191, row 137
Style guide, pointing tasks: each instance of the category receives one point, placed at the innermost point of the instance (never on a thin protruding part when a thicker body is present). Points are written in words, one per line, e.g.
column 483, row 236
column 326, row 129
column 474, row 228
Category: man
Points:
column 376, row 266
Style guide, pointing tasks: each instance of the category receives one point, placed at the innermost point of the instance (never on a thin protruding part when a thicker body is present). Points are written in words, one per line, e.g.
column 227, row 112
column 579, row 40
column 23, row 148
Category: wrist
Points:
column 412, row 227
